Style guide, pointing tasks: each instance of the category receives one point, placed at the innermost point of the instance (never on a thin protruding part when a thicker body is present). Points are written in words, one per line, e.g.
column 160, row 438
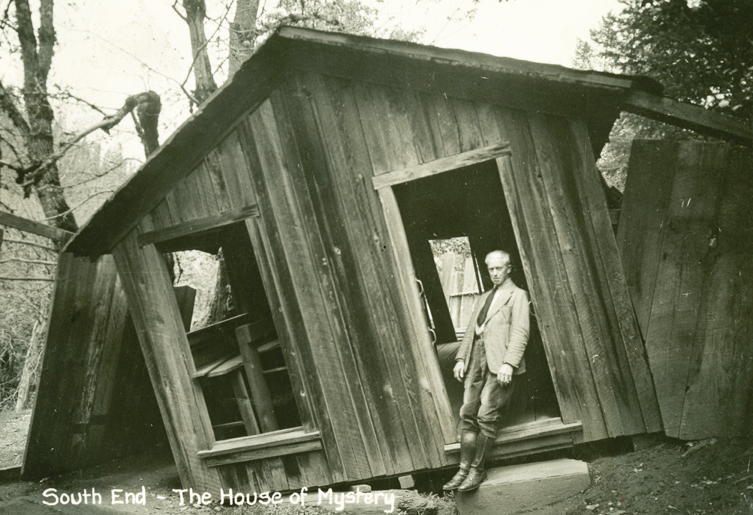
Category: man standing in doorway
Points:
column 488, row 359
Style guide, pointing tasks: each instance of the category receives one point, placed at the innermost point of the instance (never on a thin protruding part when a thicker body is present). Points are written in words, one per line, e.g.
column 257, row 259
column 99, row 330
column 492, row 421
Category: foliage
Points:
column 702, row 50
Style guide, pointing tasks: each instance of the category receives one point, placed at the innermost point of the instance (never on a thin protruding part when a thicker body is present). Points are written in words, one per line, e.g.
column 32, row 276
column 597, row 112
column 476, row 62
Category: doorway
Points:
column 463, row 212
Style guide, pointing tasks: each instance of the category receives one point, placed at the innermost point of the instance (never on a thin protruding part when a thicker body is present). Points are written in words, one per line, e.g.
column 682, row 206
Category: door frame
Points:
column 383, row 184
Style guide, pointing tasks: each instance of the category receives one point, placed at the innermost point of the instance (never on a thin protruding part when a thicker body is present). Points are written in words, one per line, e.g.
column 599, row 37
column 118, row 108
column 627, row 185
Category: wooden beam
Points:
column 444, row 164
column 688, row 116
column 196, row 226
column 40, row 229
column 248, row 335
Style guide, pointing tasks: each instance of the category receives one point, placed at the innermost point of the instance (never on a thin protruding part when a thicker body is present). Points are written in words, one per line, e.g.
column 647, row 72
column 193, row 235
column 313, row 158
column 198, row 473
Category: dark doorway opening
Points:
column 462, row 205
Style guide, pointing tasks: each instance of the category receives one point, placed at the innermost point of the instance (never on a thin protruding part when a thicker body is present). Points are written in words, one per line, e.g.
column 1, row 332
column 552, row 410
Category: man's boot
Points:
column 467, row 452
column 477, row 474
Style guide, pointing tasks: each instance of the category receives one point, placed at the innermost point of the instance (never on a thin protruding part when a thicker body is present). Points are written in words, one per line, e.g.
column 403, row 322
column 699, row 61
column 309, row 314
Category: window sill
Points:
column 258, row 447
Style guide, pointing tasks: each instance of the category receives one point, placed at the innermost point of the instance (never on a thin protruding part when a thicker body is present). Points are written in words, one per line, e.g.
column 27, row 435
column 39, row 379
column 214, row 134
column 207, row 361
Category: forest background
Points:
column 89, row 89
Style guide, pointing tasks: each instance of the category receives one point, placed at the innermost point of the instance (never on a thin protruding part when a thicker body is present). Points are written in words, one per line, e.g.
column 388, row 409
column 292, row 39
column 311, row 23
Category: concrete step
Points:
column 528, row 487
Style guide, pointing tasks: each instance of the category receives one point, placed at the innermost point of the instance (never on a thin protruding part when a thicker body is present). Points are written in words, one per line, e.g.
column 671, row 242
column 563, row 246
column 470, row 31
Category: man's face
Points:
column 499, row 269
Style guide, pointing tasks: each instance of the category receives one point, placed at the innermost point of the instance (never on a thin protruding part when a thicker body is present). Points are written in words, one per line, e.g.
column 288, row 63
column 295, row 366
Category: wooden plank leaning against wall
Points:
column 84, row 337
column 690, row 259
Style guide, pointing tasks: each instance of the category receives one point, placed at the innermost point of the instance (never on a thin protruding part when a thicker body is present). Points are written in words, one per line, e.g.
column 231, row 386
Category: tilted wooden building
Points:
column 322, row 170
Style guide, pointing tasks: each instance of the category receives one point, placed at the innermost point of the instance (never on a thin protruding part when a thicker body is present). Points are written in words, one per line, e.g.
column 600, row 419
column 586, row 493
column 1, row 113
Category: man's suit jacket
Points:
column 506, row 330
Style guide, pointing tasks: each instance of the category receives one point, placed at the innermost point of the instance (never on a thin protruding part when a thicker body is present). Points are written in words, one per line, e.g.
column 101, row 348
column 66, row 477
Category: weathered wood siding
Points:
column 91, row 375
column 353, row 131
column 686, row 240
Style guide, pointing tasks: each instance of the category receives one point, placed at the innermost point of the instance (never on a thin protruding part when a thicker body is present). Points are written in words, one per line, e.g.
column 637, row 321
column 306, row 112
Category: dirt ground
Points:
column 666, row 476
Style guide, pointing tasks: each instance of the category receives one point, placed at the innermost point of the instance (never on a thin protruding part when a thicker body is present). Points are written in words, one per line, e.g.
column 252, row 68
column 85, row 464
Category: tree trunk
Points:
column 242, row 34
column 37, row 59
column 202, row 68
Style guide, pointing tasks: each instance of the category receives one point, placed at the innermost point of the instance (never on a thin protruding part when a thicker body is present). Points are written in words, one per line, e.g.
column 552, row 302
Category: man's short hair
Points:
column 504, row 256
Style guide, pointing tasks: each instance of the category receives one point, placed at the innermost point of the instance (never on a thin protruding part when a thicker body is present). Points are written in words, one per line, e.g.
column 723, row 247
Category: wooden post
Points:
column 256, row 382
column 168, row 357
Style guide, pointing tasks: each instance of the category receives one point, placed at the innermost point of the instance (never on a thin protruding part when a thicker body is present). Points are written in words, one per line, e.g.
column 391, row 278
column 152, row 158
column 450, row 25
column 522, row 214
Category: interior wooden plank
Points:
column 256, row 382
column 243, row 400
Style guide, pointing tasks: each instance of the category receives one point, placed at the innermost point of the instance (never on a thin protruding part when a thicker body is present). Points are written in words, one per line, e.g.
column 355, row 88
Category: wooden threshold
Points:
column 441, row 165
column 531, row 438
column 266, row 445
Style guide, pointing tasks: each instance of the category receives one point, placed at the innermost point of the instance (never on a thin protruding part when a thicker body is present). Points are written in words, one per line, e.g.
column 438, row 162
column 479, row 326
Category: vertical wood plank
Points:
column 387, row 363
column 314, row 167
column 602, row 245
column 720, row 379
column 550, row 289
column 614, row 384
column 289, row 303
column 311, row 269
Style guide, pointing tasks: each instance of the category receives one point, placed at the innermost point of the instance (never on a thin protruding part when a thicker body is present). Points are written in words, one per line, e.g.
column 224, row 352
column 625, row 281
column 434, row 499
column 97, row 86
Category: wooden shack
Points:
column 322, row 171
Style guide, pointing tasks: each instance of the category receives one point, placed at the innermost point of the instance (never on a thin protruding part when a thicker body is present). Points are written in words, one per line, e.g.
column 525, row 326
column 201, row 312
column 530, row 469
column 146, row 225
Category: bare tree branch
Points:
column 147, row 106
column 65, row 94
column 29, row 261
column 111, row 169
column 87, row 199
column 30, row 243
column 50, row 279
column 11, row 166
column 182, row 16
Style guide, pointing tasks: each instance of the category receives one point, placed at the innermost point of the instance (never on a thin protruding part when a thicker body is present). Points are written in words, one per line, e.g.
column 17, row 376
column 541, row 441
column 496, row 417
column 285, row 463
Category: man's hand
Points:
column 459, row 370
column 504, row 376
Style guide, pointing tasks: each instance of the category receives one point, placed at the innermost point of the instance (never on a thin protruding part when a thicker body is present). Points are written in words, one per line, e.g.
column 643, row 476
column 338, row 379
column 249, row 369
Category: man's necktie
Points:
column 485, row 308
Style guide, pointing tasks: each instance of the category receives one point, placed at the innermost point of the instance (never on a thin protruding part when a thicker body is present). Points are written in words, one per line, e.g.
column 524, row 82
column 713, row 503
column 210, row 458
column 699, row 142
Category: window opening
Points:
column 237, row 355
column 458, row 275
column 453, row 220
